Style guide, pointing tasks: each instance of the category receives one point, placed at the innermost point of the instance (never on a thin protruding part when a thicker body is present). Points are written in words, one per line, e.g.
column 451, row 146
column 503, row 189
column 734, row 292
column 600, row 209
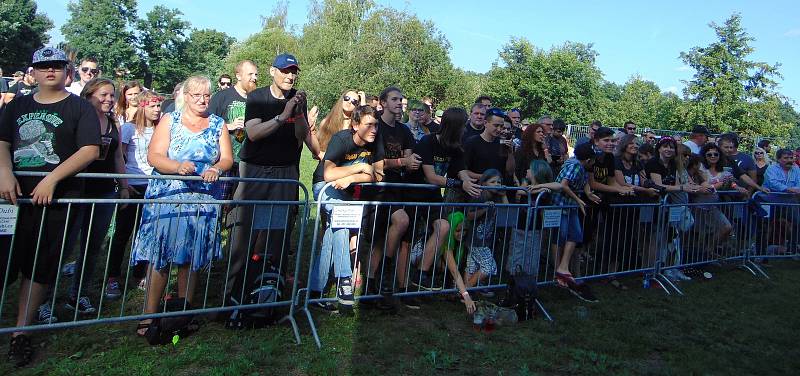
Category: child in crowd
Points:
column 480, row 261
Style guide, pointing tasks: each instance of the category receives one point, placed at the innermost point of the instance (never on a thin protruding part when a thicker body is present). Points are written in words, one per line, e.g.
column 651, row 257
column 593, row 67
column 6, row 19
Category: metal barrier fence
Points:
column 387, row 241
column 214, row 245
column 574, row 132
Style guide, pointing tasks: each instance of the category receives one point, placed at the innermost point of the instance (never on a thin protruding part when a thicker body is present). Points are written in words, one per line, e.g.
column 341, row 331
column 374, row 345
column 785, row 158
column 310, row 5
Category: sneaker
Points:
column 20, row 351
column 69, row 269
column 83, row 305
column 411, row 302
column 583, row 292
column 112, row 289
column 425, row 282
column 345, row 294
column 45, row 314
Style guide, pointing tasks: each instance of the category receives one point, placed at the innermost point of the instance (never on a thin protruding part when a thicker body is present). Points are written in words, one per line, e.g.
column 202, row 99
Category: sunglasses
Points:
column 54, row 65
column 712, row 155
column 221, row 83
column 353, row 100
column 759, row 153
column 94, row 71
column 631, row 129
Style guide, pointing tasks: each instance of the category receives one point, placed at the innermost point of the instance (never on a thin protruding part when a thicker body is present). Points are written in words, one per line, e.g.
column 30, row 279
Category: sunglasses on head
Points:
column 353, row 100
column 87, row 70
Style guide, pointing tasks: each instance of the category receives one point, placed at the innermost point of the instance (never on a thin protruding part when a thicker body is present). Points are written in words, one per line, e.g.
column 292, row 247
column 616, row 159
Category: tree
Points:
column 23, row 32
column 103, row 29
column 163, row 44
column 206, row 50
column 725, row 81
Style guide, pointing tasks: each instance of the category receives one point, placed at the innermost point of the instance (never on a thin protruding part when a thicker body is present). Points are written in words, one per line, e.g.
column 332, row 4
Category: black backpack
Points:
column 262, row 284
column 522, row 293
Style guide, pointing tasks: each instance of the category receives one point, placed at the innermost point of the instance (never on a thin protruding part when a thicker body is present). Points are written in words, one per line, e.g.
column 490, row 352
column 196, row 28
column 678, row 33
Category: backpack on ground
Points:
column 262, row 283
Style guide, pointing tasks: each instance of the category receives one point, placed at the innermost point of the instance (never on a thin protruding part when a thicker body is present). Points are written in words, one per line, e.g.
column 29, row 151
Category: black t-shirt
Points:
column 106, row 165
column 469, row 132
column 3, row 85
column 480, row 155
column 603, row 170
column 281, row 148
column 632, row 175
column 342, row 151
column 42, row 136
column 433, row 127
column 734, row 168
column 522, row 163
column 394, row 139
column 445, row 162
column 654, row 166
column 21, row 89
column 229, row 105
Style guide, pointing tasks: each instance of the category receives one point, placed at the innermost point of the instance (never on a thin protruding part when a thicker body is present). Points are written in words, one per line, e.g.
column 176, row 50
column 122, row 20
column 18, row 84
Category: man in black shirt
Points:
column 229, row 104
column 275, row 128
column 55, row 132
column 26, row 86
column 477, row 120
column 483, row 152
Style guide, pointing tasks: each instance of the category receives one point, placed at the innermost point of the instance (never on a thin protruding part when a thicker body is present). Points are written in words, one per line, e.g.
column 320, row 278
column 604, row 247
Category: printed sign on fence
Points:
column 646, row 214
column 8, row 219
column 551, row 218
column 347, row 216
column 676, row 213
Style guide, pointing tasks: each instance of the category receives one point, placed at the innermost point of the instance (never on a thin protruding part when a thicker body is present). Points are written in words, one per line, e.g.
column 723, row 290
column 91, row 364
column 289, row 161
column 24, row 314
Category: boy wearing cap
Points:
column 697, row 139
column 55, row 132
column 275, row 128
column 574, row 177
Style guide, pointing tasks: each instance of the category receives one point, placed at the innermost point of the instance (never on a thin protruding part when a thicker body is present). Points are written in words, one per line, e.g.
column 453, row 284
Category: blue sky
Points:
column 632, row 37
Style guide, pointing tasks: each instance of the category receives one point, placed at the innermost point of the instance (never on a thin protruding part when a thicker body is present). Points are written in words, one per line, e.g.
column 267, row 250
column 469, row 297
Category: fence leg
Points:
column 544, row 311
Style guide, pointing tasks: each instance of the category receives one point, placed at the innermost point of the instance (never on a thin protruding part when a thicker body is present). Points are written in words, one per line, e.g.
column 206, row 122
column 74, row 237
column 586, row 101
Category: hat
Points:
column 284, row 61
column 666, row 140
column 699, row 129
column 47, row 54
column 584, row 151
column 18, row 74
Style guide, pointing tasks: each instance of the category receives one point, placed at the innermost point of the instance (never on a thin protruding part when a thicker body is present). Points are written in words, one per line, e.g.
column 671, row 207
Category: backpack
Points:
column 522, row 293
column 163, row 329
column 262, row 284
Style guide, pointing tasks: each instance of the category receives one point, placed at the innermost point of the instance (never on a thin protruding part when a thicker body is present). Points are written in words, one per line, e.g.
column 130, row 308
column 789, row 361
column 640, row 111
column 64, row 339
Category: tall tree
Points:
column 725, row 80
column 163, row 42
column 103, row 29
column 206, row 49
column 22, row 31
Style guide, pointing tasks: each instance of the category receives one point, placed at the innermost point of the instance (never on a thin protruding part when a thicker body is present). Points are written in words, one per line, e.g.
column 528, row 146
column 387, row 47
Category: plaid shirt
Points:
column 577, row 177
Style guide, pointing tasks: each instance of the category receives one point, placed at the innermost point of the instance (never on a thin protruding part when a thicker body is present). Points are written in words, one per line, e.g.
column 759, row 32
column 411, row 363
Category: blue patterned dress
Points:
column 183, row 233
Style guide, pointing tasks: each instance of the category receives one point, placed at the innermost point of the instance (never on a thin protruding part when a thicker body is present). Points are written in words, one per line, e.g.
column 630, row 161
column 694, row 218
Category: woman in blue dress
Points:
column 187, row 142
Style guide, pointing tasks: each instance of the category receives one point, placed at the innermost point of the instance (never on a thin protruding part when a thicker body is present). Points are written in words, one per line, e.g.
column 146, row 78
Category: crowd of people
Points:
column 55, row 123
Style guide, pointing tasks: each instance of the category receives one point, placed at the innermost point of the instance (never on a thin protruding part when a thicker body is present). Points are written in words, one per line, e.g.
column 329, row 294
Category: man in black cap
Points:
column 697, row 139
column 275, row 127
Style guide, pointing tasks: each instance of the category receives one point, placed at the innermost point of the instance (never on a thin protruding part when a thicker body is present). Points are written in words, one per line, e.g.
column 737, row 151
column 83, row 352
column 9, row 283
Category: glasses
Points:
column 631, row 129
column 197, row 97
column 94, row 71
column 224, row 83
column 46, row 66
column 712, row 155
column 759, row 153
column 353, row 100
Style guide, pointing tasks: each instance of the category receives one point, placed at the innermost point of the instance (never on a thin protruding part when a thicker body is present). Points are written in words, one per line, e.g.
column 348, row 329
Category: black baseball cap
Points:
column 700, row 129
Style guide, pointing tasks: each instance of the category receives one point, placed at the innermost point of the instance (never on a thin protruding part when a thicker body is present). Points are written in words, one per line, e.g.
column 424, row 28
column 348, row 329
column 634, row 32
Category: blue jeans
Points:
column 335, row 244
column 93, row 237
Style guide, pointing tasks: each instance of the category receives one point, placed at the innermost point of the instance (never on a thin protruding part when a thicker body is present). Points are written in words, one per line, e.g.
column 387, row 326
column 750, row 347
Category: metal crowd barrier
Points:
column 776, row 229
column 215, row 283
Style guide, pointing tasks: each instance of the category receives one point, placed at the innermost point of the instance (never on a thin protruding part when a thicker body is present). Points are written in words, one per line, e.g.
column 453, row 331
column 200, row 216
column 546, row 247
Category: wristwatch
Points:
column 277, row 119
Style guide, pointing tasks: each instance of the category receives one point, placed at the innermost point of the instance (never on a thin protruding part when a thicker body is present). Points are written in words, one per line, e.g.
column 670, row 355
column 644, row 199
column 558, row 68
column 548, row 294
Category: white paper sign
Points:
column 767, row 209
column 347, row 216
column 8, row 219
column 676, row 213
column 551, row 218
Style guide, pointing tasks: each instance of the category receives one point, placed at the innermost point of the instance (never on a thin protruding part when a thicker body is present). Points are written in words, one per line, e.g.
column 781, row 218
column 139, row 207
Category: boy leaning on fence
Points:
column 51, row 131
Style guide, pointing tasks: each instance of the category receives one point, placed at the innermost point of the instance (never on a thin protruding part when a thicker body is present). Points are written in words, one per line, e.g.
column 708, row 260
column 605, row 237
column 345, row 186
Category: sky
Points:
column 633, row 38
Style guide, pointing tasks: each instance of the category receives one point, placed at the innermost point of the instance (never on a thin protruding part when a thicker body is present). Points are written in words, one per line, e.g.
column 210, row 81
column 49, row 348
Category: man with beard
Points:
column 229, row 104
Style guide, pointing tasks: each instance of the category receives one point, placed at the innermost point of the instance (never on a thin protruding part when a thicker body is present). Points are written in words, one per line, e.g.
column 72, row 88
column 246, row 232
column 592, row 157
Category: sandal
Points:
column 565, row 280
column 618, row 285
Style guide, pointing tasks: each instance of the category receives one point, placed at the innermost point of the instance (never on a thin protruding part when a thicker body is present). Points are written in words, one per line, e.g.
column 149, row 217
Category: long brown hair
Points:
column 333, row 122
column 529, row 143
column 139, row 119
column 122, row 100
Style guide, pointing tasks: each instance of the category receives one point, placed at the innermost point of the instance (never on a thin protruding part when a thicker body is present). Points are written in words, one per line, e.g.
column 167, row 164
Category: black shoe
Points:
column 583, row 292
column 20, row 351
column 345, row 294
column 411, row 302
column 425, row 282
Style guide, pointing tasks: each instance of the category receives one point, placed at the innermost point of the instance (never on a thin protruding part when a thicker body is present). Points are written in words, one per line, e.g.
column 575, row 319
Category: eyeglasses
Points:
column 712, row 155
column 417, row 110
column 94, row 71
column 353, row 100
column 46, row 66
column 224, row 83
column 197, row 97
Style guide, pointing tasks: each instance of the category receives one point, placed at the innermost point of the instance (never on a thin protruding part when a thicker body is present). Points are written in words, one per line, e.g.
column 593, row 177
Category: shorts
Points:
column 40, row 265
column 481, row 259
column 571, row 229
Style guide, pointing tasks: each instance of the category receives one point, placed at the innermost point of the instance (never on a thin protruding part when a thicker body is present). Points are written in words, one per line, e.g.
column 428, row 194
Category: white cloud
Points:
column 792, row 33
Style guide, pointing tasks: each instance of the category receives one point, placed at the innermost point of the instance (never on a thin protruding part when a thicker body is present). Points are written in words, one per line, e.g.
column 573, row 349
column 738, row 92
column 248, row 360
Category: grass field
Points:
column 733, row 324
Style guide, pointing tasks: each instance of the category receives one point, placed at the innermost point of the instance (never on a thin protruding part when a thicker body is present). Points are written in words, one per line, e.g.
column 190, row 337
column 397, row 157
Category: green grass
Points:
column 733, row 324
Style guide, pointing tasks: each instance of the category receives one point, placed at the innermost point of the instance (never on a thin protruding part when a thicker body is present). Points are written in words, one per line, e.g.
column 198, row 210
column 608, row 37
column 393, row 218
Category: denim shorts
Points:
column 571, row 229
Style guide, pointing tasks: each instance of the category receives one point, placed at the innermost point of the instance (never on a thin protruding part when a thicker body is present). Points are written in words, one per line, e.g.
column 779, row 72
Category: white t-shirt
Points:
column 692, row 146
column 136, row 152
column 76, row 88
